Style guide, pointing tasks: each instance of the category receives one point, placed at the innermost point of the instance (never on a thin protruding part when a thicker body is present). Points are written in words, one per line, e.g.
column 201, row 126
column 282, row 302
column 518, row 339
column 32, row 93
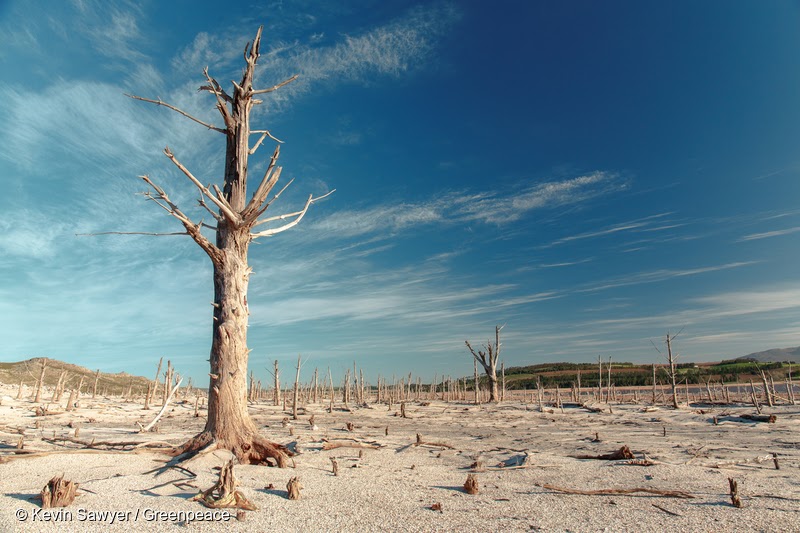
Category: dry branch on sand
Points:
column 331, row 445
column 622, row 453
column 421, row 442
column 600, row 492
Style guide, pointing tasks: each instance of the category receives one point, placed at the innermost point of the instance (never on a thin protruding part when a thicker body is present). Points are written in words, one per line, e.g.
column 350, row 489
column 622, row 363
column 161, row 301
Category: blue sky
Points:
column 590, row 174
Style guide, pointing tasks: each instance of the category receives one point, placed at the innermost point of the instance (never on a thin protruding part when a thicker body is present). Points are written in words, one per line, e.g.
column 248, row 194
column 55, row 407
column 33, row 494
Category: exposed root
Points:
column 252, row 449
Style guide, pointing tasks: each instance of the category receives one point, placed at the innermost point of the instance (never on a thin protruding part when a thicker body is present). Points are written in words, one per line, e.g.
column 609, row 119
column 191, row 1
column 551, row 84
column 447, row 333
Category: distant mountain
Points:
column 775, row 355
column 28, row 372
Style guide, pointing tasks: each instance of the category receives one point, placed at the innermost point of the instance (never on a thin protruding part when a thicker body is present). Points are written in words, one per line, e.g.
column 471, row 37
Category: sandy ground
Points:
column 393, row 488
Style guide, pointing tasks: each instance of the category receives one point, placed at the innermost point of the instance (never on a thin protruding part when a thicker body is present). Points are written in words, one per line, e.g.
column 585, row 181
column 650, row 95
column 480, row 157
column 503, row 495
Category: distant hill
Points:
column 28, row 372
column 774, row 356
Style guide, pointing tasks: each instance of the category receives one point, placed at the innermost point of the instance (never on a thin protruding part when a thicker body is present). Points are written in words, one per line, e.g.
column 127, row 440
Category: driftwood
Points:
column 349, row 444
column 421, row 442
column 622, row 453
column 600, row 492
column 224, row 494
column 753, row 460
column 770, row 419
column 110, row 444
column 58, row 492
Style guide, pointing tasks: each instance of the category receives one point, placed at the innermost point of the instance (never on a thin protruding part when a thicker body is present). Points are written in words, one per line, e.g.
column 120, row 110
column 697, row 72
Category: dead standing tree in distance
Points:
column 673, row 373
column 229, row 425
column 488, row 361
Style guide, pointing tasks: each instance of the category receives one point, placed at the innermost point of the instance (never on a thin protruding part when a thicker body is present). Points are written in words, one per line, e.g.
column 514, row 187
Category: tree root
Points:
column 252, row 449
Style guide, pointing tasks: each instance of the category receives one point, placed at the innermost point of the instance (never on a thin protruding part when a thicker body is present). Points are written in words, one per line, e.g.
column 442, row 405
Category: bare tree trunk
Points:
column 59, row 387
column 477, row 382
column 654, row 384
column 154, row 392
column 767, row 393
column 296, row 390
column 315, row 386
column 608, row 387
column 600, row 379
column 19, row 391
column 488, row 361
column 276, row 397
column 330, row 378
column 672, row 373
column 40, row 383
column 94, row 387
column 503, row 389
column 229, row 425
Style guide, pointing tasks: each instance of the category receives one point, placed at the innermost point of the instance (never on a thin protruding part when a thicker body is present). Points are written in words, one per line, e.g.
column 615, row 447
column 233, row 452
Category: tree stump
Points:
column 471, row 484
column 58, row 492
column 224, row 494
column 734, row 487
column 335, row 466
column 293, row 488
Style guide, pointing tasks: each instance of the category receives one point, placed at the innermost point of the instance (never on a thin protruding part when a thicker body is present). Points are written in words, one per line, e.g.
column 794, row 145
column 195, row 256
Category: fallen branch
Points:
column 770, row 419
column 110, row 444
column 666, row 510
column 622, row 453
column 600, row 492
column 148, row 427
column 754, row 460
column 421, row 442
column 349, row 444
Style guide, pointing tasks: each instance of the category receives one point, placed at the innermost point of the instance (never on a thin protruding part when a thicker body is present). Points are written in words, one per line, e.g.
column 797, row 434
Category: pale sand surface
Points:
column 393, row 488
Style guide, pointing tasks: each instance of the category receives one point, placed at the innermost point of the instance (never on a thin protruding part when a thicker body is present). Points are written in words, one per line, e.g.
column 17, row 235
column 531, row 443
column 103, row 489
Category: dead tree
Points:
column 237, row 222
column 296, row 389
column 40, row 382
column 671, row 371
column 488, row 361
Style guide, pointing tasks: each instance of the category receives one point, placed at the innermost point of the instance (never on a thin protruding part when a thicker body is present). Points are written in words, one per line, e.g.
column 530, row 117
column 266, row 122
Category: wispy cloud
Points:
column 493, row 207
column 567, row 263
column 768, row 234
column 661, row 275
column 609, row 230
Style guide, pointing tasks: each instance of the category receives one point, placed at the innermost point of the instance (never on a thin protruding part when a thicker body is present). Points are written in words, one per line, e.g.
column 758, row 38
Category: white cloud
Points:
column 768, row 234
column 452, row 208
column 661, row 275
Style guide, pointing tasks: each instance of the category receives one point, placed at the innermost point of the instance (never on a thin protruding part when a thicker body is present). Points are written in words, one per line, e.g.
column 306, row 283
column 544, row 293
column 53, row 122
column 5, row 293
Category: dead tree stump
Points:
column 58, row 492
column 335, row 466
column 224, row 493
column 293, row 488
column 471, row 484
column 734, row 488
